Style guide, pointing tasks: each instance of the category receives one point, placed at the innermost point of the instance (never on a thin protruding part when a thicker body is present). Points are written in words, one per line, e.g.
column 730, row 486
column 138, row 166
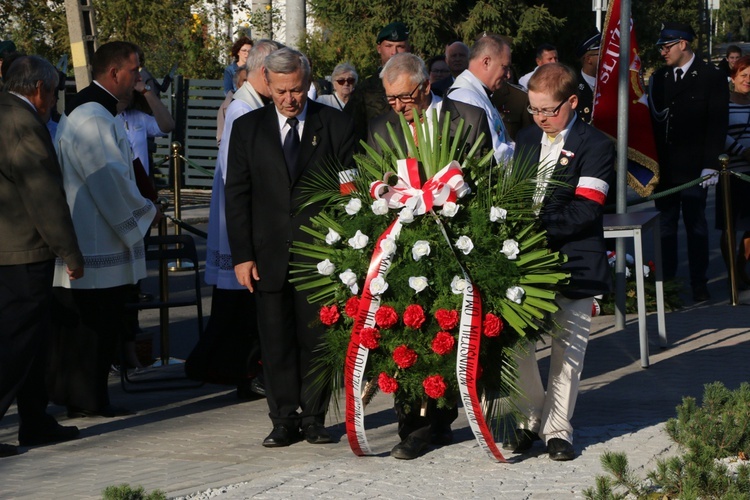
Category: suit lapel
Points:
column 311, row 137
column 270, row 138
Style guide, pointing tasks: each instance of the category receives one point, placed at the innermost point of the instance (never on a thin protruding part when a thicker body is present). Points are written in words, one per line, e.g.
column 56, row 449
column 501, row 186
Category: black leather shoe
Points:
column 560, row 450
column 48, row 435
column 316, row 433
column 106, row 412
column 409, row 449
column 257, row 385
column 700, row 294
column 281, row 436
column 525, row 440
column 8, row 450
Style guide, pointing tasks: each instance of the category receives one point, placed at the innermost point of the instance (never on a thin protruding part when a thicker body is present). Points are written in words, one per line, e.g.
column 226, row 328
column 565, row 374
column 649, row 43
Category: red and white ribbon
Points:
column 446, row 185
column 356, row 355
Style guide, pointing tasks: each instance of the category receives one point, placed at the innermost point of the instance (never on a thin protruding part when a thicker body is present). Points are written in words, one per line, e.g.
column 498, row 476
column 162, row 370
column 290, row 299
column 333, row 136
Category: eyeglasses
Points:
column 350, row 81
column 404, row 98
column 667, row 46
column 546, row 112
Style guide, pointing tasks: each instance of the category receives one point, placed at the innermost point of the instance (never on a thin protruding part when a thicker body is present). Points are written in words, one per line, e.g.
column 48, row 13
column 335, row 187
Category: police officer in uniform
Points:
column 588, row 53
column 689, row 101
column 368, row 99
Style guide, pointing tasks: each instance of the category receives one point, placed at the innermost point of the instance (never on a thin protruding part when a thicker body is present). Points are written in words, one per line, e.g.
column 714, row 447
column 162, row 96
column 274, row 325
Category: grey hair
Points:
column 488, row 44
column 342, row 68
column 405, row 63
column 262, row 49
column 26, row 72
column 286, row 61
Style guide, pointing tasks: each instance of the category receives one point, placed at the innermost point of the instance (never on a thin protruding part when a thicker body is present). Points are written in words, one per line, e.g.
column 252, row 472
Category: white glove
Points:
column 711, row 181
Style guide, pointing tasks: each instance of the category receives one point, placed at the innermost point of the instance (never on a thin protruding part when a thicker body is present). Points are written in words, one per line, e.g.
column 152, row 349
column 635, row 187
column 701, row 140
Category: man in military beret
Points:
column 689, row 109
column 368, row 99
column 588, row 53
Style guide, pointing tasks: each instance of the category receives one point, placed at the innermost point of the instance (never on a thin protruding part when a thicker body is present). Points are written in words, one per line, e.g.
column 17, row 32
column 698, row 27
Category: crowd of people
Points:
column 79, row 209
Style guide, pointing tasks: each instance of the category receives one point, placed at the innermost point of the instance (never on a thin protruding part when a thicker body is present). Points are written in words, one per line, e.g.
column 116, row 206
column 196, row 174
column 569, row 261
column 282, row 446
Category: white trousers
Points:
column 549, row 414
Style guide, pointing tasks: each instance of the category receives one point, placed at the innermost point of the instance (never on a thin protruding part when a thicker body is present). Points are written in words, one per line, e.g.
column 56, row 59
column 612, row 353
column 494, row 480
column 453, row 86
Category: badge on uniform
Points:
column 563, row 161
column 315, row 140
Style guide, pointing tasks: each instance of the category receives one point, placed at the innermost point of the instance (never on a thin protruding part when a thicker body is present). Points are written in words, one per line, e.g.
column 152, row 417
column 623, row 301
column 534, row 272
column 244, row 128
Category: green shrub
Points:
column 718, row 429
column 127, row 492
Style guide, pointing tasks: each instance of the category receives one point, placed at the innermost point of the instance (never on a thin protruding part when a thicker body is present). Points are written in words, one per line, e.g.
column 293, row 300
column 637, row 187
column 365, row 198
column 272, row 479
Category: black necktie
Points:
column 678, row 72
column 291, row 146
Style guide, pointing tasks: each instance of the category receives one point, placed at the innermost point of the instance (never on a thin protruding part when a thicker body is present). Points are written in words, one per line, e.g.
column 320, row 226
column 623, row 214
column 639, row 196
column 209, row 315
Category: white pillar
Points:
column 295, row 23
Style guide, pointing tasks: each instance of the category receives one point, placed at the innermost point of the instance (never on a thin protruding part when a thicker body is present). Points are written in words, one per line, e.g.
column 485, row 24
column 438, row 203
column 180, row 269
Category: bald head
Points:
column 457, row 57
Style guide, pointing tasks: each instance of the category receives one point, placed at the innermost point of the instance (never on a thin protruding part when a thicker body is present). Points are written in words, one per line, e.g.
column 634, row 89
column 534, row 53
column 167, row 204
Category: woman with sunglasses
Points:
column 344, row 79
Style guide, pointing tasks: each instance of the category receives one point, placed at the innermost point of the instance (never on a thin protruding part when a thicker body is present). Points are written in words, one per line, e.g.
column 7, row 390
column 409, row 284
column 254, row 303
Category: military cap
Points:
column 671, row 32
column 592, row 42
column 394, row 32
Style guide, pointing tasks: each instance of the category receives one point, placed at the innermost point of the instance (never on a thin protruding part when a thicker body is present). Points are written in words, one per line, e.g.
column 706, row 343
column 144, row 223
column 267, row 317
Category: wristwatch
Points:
column 146, row 88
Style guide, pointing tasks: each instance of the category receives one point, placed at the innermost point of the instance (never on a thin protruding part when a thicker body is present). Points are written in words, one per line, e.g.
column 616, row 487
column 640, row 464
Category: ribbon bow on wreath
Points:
column 408, row 191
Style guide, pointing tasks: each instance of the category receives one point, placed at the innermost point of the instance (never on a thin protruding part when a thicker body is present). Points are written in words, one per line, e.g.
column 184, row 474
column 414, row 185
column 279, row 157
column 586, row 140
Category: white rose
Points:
column 354, row 205
column 458, row 285
column 326, row 267
column 510, row 249
column 388, row 246
column 359, row 240
column 332, row 236
column 465, row 244
column 515, row 293
column 406, row 215
column 498, row 214
column 646, row 271
column 450, row 209
column 627, row 272
column 420, row 249
column 379, row 207
column 418, row 283
column 378, row 286
column 348, row 277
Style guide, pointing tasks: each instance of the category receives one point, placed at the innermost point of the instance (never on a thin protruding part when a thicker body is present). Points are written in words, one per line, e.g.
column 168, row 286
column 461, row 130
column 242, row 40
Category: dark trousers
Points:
column 692, row 202
column 229, row 351
column 25, row 298
column 90, row 323
column 288, row 344
column 435, row 420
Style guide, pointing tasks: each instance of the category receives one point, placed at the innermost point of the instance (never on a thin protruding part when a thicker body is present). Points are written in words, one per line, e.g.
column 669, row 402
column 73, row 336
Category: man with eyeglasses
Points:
column 489, row 65
column 581, row 160
column 408, row 91
column 368, row 99
column 689, row 102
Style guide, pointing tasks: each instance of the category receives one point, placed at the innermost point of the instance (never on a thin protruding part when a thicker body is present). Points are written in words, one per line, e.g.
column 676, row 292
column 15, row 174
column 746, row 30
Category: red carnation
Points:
column 447, row 319
column 652, row 266
column 386, row 317
column 387, row 384
column 492, row 325
column 369, row 337
column 404, row 357
column 414, row 316
column 443, row 343
column 352, row 306
column 434, row 386
column 329, row 314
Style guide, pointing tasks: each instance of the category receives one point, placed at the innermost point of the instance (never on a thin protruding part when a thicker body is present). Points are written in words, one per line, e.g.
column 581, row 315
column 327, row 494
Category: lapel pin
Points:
column 563, row 161
column 315, row 140
column 567, row 153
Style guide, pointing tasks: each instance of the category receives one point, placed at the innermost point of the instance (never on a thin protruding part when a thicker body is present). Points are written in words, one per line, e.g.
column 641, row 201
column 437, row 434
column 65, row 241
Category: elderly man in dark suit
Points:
column 407, row 89
column 689, row 102
column 272, row 152
column 35, row 226
column 581, row 161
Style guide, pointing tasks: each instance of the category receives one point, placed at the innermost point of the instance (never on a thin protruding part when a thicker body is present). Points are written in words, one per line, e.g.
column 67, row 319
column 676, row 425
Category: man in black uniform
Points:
column 689, row 102
column 588, row 53
column 368, row 99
